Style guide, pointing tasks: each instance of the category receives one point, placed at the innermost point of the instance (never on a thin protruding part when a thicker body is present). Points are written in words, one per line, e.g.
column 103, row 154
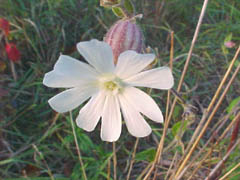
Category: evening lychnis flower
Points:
column 110, row 87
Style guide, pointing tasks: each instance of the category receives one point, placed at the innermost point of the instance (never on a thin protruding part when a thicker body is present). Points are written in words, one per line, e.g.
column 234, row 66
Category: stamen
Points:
column 110, row 85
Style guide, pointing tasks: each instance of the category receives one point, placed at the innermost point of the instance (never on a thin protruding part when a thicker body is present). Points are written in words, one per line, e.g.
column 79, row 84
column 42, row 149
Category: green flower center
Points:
column 110, row 85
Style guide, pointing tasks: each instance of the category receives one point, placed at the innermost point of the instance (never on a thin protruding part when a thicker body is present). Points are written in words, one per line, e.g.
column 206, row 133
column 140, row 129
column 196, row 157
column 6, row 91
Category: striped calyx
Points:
column 124, row 35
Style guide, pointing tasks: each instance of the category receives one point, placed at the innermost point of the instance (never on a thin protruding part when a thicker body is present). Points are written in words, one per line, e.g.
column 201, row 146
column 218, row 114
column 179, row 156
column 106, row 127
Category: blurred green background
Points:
column 34, row 138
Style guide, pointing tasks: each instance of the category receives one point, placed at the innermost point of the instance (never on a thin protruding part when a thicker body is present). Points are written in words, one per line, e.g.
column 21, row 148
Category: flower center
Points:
column 111, row 83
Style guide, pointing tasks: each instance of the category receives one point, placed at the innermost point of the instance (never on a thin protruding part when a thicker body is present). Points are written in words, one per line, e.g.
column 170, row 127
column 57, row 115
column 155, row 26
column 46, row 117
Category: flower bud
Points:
column 124, row 35
column 12, row 52
column 229, row 44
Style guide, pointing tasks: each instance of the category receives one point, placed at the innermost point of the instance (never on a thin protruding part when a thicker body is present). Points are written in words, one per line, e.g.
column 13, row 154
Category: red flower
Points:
column 12, row 52
column 4, row 25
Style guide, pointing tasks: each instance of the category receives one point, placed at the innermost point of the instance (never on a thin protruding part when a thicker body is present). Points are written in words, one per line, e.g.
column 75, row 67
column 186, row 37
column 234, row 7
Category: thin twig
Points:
column 77, row 147
column 214, row 110
column 14, row 73
column 140, row 177
column 196, row 131
column 193, row 43
column 133, row 159
column 171, row 67
column 224, row 79
column 172, row 164
column 114, row 161
column 44, row 161
column 211, row 149
column 169, row 91
column 222, row 161
column 189, row 54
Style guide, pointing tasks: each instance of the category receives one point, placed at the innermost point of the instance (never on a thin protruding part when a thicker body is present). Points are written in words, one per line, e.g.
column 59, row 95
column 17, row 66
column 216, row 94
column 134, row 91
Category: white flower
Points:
column 110, row 88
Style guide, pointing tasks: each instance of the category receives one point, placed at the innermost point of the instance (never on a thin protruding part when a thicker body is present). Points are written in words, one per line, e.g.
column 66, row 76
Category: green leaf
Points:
column 228, row 38
column 129, row 6
column 118, row 12
column 177, row 126
column 224, row 49
column 146, row 155
column 233, row 103
column 85, row 142
column 76, row 173
column 235, row 177
column 177, row 112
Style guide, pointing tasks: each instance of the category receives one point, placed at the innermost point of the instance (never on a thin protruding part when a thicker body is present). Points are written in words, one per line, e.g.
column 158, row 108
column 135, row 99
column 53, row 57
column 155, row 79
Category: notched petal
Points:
column 130, row 63
column 136, row 124
column 98, row 54
column 69, row 72
column 111, row 120
column 90, row 114
column 159, row 78
column 71, row 98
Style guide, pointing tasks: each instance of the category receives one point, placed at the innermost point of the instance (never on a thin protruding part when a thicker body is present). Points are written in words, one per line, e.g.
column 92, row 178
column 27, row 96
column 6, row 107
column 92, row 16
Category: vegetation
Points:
column 38, row 143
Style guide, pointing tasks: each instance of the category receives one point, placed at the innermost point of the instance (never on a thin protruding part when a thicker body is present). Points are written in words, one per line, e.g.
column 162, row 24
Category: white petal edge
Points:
column 143, row 103
column 90, row 114
column 136, row 124
column 130, row 63
column 97, row 53
column 111, row 119
column 159, row 78
column 69, row 72
column 71, row 98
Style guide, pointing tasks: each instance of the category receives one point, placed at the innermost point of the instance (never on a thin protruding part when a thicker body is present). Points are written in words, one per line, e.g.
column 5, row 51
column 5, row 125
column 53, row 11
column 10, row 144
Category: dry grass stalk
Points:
column 44, row 161
column 140, row 177
column 215, row 108
column 171, row 67
column 114, row 161
column 199, row 127
column 14, row 73
column 172, row 165
column 219, row 127
column 220, row 163
column 169, row 91
column 212, row 148
column 109, row 169
column 160, row 146
column 77, row 147
column 133, row 158
column 196, row 131
column 229, row 172
column 189, row 54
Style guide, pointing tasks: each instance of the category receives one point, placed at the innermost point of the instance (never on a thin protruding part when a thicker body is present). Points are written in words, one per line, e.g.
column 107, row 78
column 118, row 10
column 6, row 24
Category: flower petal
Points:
column 90, row 114
column 111, row 120
column 143, row 103
column 98, row 54
column 159, row 78
column 136, row 124
column 71, row 98
column 130, row 63
column 69, row 72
